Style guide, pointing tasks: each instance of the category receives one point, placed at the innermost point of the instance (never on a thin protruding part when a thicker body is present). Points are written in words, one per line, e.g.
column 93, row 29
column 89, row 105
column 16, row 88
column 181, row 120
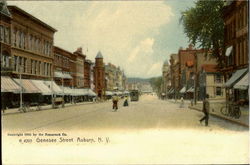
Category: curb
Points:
column 222, row 117
column 70, row 105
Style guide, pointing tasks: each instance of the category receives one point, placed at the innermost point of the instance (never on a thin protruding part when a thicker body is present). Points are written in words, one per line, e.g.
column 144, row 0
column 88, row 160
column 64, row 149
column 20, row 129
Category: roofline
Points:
column 9, row 16
column 32, row 17
column 57, row 47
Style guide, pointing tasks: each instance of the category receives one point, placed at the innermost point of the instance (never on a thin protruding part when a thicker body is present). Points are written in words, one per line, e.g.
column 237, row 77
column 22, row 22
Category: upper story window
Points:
column 1, row 33
column 219, row 91
column 6, row 35
column 5, row 61
column 19, row 40
column 218, row 78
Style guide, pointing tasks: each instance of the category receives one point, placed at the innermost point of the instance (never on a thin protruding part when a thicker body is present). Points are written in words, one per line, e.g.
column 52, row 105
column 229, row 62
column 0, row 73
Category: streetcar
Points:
column 134, row 95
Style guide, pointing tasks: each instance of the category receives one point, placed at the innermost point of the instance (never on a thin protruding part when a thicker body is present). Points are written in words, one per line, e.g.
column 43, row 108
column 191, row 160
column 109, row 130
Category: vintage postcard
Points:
column 125, row 82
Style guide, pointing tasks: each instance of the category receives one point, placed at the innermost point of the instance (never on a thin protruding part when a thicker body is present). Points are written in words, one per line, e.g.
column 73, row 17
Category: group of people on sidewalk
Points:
column 115, row 100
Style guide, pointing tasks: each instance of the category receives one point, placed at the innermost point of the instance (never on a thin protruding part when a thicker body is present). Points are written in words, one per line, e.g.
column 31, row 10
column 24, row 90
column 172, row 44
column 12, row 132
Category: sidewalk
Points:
column 215, row 111
column 45, row 107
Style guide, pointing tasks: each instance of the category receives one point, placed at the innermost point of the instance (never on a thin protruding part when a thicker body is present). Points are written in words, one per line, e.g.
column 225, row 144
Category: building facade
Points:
column 166, row 80
column 62, row 68
column 31, row 46
column 99, row 75
column 5, row 39
column 87, row 74
column 211, row 82
column 78, row 59
column 236, row 56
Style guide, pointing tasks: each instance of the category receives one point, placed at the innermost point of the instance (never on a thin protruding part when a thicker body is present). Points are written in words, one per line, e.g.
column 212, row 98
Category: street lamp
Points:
column 52, row 91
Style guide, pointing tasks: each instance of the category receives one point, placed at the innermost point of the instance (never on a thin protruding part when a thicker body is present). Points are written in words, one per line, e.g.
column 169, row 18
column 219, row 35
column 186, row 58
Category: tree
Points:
column 203, row 25
column 156, row 83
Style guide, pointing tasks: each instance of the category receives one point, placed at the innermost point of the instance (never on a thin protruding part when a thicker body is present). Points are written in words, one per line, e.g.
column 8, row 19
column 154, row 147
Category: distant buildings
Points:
column 115, row 78
column 184, row 73
column 166, row 79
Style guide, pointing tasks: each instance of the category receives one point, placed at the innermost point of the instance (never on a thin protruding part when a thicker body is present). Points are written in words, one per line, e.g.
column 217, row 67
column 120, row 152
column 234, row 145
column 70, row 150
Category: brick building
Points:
column 62, row 68
column 87, row 73
column 184, row 71
column 5, row 39
column 31, row 45
column 78, row 68
column 174, row 74
column 99, row 75
column 166, row 79
column 236, row 57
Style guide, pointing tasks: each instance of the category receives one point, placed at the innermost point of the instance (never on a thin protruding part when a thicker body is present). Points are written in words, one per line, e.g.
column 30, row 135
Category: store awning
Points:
column 171, row 91
column 67, row 90
column 109, row 93
column 8, row 85
column 118, row 93
column 42, row 87
column 243, row 84
column 58, row 74
column 91, row 93
column 67, row 76
column 27, row 86
column 126, row 92
column 191, row 90
column 235, row 77
column 229, row 50
column 54, row 87
column 62, row 75
column 183, row 90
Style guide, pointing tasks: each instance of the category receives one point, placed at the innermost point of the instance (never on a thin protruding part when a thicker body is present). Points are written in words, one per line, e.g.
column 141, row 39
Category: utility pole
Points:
column 195, row 79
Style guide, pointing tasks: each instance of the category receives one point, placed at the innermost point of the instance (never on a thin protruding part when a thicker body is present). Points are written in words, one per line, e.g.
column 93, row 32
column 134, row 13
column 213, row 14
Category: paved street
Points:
column 148, row 131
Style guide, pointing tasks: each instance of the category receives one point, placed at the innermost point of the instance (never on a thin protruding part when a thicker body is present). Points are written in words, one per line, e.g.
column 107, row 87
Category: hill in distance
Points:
column 138, row 80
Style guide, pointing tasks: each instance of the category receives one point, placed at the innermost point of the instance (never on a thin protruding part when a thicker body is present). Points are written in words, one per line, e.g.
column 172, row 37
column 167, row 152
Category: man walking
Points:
column 205, row 110
column 115, row 102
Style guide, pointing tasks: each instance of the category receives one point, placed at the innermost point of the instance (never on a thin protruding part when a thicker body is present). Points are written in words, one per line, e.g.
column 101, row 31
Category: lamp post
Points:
column 21, row 90
column 63, row 90
column 52, row 92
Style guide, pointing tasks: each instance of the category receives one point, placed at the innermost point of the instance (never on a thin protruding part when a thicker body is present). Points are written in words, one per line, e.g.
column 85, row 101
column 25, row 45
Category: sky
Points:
column 138, row 36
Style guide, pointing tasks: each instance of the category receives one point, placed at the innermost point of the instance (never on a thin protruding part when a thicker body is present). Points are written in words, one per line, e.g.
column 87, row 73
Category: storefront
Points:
column 8, row 88
column 236, row 89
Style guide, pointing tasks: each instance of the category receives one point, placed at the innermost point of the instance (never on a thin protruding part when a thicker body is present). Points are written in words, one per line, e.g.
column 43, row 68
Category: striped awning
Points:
column 243, row 84
column 91, row 93
column 53, row 87
column 183, row 90
column 191, row 90
column 235, row 77
column 109, row 93
column 45, row 90
column 27, row 86
column 8, row 85
column 62, row 75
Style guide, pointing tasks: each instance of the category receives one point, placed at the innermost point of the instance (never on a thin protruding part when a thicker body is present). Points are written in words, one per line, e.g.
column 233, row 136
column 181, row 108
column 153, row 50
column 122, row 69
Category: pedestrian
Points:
column 182, row 103
column 205, row 110
column 125, row 101
column 115, row 102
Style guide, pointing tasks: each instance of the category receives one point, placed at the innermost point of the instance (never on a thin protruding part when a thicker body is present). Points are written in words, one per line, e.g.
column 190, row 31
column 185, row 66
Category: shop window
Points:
column 219, row 91
column 218, row 78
